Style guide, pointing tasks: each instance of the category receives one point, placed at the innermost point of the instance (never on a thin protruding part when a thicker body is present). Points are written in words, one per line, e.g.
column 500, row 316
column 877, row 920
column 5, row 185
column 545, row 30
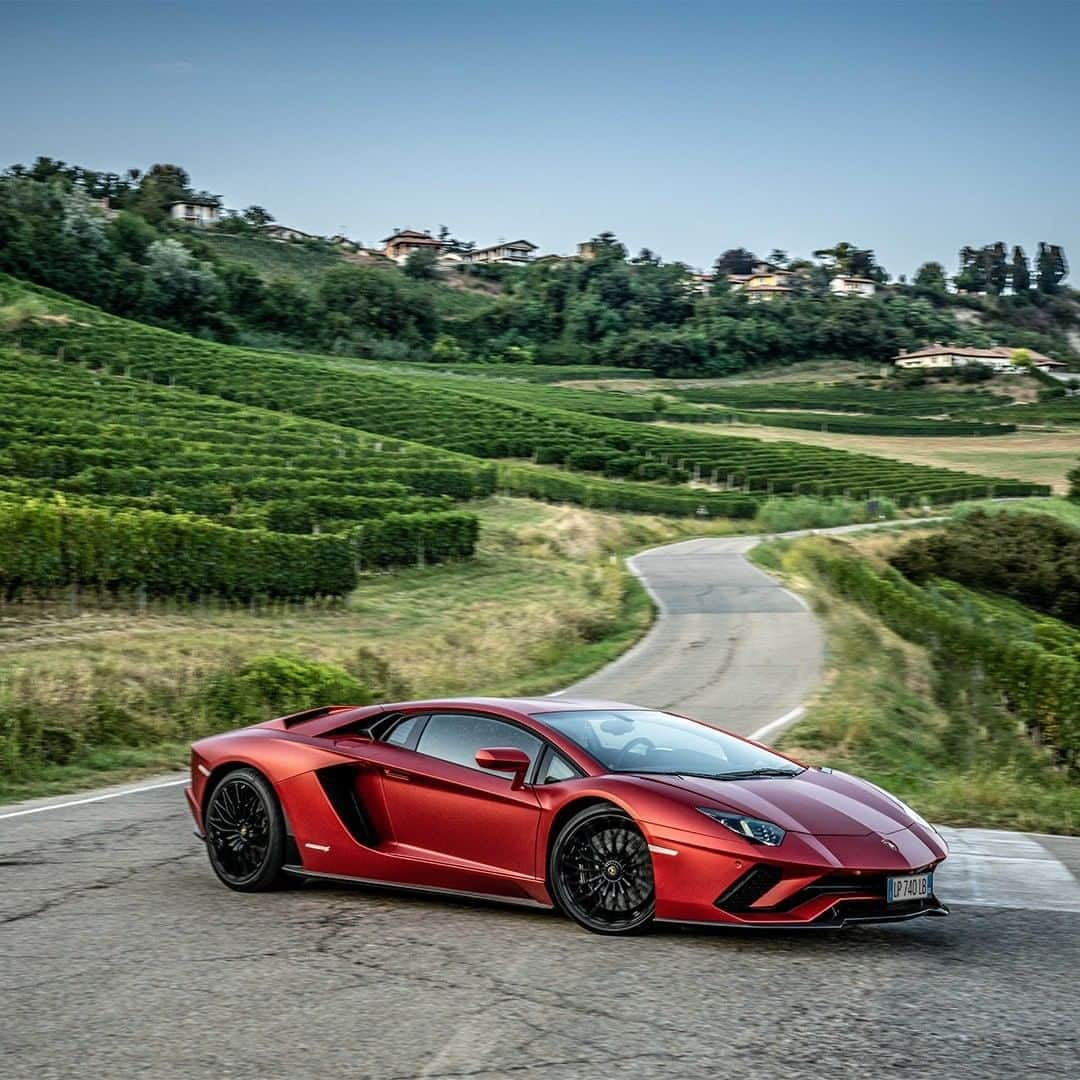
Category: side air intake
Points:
column 339, row 783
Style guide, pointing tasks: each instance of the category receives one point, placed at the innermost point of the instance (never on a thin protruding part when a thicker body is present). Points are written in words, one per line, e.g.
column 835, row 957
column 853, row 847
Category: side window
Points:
column 456, row 737
column 401, row 732
column 557, row 768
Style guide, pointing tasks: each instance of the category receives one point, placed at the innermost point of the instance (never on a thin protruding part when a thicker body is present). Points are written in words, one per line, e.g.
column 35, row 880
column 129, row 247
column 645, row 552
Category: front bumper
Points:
column 807, row 881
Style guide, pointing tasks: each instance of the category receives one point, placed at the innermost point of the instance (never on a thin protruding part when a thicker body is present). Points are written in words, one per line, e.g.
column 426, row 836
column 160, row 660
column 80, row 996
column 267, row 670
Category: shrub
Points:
column 275, row 685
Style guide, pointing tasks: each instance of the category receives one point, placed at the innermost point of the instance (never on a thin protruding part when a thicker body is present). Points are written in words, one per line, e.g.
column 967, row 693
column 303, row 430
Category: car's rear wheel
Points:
column 245, row 832
column 600, row 872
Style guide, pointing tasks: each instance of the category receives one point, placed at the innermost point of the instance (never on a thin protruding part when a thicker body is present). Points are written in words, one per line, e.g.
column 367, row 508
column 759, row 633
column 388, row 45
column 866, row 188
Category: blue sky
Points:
column 687, row 127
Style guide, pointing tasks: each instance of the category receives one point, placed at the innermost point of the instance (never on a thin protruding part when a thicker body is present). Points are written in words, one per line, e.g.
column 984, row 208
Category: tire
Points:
column 245, row 832
column 600, row 872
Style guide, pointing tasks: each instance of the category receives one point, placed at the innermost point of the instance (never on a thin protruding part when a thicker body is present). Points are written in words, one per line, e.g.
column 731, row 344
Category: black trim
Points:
column 749, row 888
column 339, row 784
column 292, row 851
column 414, row 736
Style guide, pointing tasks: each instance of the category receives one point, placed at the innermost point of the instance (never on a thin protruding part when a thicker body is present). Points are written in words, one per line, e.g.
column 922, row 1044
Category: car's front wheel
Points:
column 600, row 872
column 245, row 832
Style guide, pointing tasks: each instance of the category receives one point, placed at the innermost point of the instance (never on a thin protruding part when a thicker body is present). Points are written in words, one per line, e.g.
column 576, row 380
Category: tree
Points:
column 160, row 186
column 608, row 248
column 735, row 261
column 257, row 216
column 931, row 276
column 845, row 258
column 421, row 264
column 1051, row 267
column 184, row 289
column 778, row 257
column 971, row 277
column 1019, row 271
column 997, row 270
column 131, row 235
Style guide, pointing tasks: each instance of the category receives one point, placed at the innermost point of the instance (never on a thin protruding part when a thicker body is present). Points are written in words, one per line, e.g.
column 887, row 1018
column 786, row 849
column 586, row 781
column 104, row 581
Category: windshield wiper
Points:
column 745, row 774
column 750, row 774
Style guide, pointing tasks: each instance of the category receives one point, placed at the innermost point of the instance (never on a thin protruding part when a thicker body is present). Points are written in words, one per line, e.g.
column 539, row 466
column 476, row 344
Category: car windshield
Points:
column 644, row 741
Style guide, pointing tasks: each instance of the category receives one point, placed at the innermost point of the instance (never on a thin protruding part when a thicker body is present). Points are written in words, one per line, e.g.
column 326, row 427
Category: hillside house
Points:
column 767, row 282
column 999, row 358
column 195, row 211
column 507, row 252
column 401, row 244
column 339, row 240
column 847, row 285
column 274, row 231
column 700, row 282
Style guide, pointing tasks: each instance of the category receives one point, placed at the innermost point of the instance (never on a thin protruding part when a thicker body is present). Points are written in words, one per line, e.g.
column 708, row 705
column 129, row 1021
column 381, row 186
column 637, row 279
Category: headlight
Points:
column 757, row 832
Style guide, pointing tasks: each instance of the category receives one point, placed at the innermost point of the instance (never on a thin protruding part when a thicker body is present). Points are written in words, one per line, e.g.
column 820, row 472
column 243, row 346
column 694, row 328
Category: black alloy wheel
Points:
column 600, row 872
column 245, row 832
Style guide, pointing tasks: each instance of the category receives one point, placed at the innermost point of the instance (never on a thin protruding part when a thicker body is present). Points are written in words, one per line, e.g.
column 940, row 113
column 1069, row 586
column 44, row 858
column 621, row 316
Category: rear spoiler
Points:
column 311, row 714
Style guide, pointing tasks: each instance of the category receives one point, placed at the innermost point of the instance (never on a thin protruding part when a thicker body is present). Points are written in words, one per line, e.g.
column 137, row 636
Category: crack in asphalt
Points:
column 124, row 875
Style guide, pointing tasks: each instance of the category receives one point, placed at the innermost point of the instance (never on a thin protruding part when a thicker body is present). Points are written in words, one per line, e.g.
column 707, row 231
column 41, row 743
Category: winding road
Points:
column 123, row 957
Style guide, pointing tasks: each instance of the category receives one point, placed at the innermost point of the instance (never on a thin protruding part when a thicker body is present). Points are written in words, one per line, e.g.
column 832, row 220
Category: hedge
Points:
column 400, row 539
column 610, row 495
column 46, row 546
column 1042, row 688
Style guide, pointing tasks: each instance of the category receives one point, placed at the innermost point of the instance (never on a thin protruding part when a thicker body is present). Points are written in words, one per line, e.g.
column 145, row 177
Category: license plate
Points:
column 913, row 887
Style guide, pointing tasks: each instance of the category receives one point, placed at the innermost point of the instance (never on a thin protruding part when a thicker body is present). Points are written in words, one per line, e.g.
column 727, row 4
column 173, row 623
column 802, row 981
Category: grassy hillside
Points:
column 272, row 259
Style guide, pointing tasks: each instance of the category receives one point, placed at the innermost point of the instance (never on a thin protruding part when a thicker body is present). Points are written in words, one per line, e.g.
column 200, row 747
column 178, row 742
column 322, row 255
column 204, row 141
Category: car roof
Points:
column 526, row 705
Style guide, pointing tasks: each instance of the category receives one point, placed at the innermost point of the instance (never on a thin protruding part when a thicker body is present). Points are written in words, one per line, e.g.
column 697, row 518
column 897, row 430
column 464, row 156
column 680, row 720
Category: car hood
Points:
column 817, row 802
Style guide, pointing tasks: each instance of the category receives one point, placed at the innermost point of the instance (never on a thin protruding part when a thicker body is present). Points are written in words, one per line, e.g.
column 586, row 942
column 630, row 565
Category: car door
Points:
column 443, row 806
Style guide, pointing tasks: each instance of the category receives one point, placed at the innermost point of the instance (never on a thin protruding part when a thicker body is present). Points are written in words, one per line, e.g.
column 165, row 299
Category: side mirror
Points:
column 505, row 759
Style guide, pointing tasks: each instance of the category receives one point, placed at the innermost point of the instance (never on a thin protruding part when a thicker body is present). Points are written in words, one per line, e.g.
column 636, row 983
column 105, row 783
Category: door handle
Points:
column 395, row 774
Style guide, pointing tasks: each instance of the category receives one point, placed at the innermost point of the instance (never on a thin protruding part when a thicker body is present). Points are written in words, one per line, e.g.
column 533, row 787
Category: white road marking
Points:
column 94, row 798
column 995, row 868
column 775, row 725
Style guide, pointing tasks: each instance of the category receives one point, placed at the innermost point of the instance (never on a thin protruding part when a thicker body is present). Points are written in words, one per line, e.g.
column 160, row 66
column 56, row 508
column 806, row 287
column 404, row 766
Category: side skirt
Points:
column 518, row 901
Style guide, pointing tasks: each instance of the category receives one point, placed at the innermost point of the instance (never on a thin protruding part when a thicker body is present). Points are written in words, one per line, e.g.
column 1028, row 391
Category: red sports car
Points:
column 614, row 814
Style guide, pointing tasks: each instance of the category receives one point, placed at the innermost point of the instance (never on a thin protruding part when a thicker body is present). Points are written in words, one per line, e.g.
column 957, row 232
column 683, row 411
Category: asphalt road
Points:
column 122, row 956
column 732, row 646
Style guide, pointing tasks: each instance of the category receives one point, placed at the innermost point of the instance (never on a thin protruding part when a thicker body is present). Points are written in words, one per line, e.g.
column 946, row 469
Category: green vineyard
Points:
column 857, row 424
column 840, row 398
column 469, row 422
column 140, row 474
column 151, row 461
